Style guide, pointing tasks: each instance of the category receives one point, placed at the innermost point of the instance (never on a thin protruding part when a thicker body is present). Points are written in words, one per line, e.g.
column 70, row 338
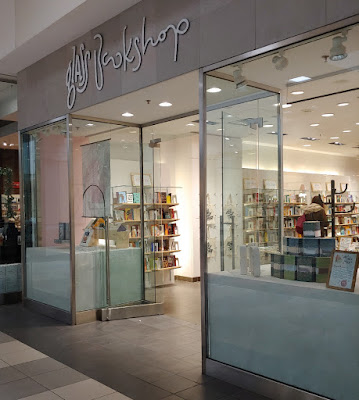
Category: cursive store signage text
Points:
column 129, row 57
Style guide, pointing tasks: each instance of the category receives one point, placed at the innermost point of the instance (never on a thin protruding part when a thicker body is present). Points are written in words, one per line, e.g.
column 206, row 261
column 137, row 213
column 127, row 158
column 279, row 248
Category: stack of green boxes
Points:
column 304, row 259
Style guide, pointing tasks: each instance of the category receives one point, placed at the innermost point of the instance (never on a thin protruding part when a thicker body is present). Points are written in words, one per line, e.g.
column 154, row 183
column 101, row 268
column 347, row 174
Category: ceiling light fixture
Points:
column 300, row 79
column 309, row 138
column 214, row 90
column 236, row 152
column 338, row 51
column 328, row 115
column 127, row 114
column 268, row 126
column 314, row 124
column 286, row 105
column 357, row 123
column 239, row 79
column 347, row 131
column 165, row 104
column 342, row 104
column 337, row 144
column 90, row 124
column 280, row 61
column 276, row 104
column 11, row 144
column 219, row 129
column 231, row 145
column 334, row 137
column 5, row 144
column 297, row 92
column 306, row 145
column 190, row 124
column 227, row 138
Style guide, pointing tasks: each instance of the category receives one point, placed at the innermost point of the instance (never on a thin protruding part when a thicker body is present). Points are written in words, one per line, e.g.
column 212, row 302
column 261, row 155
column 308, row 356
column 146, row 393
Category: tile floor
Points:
column 150, row 358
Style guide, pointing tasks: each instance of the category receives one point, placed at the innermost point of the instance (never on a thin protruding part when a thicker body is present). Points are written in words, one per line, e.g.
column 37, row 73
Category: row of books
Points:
column 124, row 197
column 150, row 197
column 153, row 263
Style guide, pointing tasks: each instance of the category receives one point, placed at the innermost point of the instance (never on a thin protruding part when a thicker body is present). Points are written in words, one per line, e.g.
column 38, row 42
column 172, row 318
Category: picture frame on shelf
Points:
column 316, row 186
column 136, row 180
column 270, row 184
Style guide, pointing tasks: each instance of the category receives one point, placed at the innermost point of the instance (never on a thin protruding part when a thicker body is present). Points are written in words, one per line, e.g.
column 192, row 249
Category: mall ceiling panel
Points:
column 230, row 29
column 336, row 10
column 278, row 19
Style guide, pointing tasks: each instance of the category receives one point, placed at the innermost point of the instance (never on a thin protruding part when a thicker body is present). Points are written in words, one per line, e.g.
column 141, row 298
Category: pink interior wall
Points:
column 53, row 186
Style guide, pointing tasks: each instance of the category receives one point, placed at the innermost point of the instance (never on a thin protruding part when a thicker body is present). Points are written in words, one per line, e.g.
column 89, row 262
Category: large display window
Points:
column 281, row 140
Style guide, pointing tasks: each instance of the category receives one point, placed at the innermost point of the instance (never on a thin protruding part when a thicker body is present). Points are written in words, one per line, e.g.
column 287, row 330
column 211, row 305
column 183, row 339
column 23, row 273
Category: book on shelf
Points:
column 137, row 198
column 171, row 261
column 129, row 214
column 121, row 197
column 163, row 197
column 129, row 198
column 168, row 198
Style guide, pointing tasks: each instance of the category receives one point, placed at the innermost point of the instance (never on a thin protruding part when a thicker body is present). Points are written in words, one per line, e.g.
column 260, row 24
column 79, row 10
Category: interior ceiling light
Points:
column 328, row 115
column 5, row 144
column 334, row 137
column 214, row 90
column 231, row 145
column 227, row 138
column 268, row 126
column 239, row 79
column 297, row 92
column 309, row 138
column 306, row 145
column 338, row 51
column 314, row 124
column 286, row 105
column 236, row 152
column 90, row 124
column 343, row 104
column 127, row 114
column 11, row 144
column 276, row 104
column 347, row 131
column 337, row 144
column 299, row 79
column 190, row 124
column 357, row 123
column 165, row 104
column 280, row 61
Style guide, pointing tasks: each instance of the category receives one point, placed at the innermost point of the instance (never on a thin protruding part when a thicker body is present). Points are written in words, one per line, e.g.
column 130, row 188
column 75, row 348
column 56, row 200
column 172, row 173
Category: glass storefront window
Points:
column 272, row 155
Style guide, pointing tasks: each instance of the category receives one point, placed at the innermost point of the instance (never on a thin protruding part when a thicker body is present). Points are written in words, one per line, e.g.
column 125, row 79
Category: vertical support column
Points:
column 142, row 211
column 22, row 217
column 203, row 212
column 71, row 217
column 280, row 175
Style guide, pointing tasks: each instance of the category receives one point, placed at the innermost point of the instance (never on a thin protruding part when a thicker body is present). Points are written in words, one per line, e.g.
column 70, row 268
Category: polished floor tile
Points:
column 43, row 396
column 174, row 383
column 19, row 389
column 62, row 377
column 38, row 367
column 10, row 374
column 12, row 347
column 85, row 390
column 20, row 357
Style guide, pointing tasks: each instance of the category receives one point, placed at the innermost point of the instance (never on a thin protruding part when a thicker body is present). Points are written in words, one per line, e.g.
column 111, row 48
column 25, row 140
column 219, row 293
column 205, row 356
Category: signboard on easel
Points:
column 343, row 270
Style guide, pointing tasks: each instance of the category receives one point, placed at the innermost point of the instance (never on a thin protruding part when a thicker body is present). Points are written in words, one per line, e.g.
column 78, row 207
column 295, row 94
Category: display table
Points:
column 276, row 328
column 49, row 278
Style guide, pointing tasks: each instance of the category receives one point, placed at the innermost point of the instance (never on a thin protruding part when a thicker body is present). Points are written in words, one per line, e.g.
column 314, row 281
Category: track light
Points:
column 280, row 62
column 338, row 51
column 239, row 79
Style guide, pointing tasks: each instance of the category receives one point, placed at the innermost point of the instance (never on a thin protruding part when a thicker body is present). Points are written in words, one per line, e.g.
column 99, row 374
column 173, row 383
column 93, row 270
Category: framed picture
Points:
column 316, row 187
column 249, row 183
column 268, row 184
column 136, row 180
column 343, row 270
column 328, row 186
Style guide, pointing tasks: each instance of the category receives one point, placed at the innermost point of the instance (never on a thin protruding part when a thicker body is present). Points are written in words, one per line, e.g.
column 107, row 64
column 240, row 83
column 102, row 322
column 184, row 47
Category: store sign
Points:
column 130, row 56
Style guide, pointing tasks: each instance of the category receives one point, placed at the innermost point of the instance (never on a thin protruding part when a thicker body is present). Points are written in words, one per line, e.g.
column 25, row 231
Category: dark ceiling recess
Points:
column 4, row 122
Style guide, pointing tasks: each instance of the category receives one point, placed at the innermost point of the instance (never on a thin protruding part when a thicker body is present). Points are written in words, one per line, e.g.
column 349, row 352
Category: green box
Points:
column 290, row 268
column 322, row 265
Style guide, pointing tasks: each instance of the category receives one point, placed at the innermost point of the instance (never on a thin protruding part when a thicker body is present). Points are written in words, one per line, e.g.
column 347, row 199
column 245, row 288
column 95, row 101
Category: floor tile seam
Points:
column 41, row 373
column 113, row 391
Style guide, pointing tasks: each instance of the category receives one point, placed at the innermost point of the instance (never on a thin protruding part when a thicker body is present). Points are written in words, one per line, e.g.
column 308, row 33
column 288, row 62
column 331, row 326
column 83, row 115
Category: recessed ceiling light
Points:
column 214, row 90
column 300, row 79
column 343, row 104
column 347, row 131
column 357, row 123
column 5, row 144
column 89, row 124
column 335, row 137
column 231, row 145
column 337, row 144
column 165, row 104
column 306, row 145
column 127, row 114
column 70, row 124
column 286, row 105
column 268, row 126
column 133, row 131
column 229, row 116
column 190, row 124
column 328, row 115
column 276, row 104
column 314, row 124
column 219, row 129
column 236, row 152
column 297, row 92
column 11, row 144
column 227, row 138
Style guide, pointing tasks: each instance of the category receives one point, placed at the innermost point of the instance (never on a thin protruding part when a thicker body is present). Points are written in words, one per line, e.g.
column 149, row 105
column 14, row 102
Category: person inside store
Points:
column 316, row 212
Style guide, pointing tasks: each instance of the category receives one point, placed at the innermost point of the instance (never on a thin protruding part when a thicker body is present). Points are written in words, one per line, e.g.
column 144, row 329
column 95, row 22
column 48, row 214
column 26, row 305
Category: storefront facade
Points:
column 279, row 339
